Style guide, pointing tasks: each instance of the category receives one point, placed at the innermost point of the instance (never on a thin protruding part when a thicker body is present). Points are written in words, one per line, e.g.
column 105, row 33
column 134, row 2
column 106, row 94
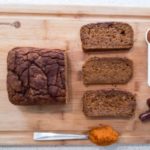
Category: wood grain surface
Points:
column 63, row 31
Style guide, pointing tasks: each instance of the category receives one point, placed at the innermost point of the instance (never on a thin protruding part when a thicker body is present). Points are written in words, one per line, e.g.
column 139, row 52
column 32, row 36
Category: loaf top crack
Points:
column 36, row 76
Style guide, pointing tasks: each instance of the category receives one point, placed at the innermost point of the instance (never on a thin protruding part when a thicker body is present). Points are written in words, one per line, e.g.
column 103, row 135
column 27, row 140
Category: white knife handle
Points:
column 148, row 76
column 45, row 136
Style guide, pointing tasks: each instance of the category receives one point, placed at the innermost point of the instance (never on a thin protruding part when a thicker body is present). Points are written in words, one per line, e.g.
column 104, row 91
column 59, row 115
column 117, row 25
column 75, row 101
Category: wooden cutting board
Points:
column 59, row 27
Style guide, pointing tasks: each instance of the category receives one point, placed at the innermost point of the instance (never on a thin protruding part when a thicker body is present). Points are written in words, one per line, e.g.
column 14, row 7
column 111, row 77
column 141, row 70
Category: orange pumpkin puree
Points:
column 103, row 135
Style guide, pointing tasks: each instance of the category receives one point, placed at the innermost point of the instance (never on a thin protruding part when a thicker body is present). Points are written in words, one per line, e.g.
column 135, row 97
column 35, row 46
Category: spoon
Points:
column 102, row 135
column 147, row 38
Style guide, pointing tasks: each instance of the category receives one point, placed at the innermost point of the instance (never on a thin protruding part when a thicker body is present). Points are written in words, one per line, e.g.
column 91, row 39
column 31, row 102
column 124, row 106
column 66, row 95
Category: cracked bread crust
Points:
column 36, row 76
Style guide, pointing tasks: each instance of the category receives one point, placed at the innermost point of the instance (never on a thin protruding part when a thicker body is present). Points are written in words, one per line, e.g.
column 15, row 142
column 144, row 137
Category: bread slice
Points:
column 109, row 103
column 114, row 70
column 106, row 36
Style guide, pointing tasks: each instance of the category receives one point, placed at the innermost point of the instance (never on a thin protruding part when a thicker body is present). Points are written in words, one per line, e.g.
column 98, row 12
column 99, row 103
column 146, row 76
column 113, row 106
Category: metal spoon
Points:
column 44, row 136
column 147, row 38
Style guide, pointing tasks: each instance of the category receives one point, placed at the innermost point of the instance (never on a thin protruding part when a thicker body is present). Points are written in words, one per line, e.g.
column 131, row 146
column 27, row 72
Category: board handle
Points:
column 15, row 24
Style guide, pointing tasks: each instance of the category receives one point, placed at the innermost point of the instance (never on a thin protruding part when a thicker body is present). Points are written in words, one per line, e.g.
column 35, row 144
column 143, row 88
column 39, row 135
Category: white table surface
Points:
column 129, row 3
